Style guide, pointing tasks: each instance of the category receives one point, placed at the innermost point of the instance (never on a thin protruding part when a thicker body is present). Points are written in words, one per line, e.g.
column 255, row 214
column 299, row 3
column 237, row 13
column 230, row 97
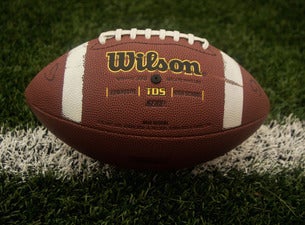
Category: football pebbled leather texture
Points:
column 149, row 99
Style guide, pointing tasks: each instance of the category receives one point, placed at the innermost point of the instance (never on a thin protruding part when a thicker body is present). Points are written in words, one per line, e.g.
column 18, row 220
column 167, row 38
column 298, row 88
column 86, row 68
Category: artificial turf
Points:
column 266, row 37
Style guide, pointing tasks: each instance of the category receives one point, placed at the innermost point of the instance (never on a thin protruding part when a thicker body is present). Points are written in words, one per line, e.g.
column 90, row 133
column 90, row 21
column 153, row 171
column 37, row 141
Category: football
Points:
column 148, row 99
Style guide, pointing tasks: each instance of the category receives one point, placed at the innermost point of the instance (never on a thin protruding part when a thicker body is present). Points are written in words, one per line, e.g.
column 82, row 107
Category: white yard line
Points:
column 275, row 147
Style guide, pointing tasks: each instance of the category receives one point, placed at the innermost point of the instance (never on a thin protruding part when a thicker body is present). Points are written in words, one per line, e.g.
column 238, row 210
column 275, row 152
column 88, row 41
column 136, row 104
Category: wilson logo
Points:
column 125, row 61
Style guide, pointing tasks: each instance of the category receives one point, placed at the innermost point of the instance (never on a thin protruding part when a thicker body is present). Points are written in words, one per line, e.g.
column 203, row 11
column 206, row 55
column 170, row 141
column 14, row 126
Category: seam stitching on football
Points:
column 144, row 136
column 232, row 82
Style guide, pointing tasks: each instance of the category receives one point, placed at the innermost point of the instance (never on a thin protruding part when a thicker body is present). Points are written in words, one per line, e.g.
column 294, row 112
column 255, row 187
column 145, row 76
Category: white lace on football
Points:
column 133, row 33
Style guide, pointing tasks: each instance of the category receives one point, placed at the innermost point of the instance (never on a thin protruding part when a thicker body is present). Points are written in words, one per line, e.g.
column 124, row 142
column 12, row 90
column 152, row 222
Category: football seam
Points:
column 145, row 136
column 207, row 51
column 232, row 82
column 152, row 127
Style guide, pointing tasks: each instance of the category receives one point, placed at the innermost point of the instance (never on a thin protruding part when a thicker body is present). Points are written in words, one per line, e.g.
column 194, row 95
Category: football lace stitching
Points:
column 133, row 33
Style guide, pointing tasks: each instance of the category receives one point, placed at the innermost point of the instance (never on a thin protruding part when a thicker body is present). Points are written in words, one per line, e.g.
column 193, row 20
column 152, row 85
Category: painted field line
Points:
column 275, row 147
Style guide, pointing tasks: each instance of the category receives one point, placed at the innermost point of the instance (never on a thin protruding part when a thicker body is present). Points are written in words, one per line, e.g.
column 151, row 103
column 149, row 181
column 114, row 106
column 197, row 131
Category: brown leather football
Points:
column 151, row 99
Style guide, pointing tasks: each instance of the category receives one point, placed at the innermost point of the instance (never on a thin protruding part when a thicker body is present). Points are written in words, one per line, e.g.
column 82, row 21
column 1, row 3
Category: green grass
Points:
column 266, row 37
column 148, row 198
